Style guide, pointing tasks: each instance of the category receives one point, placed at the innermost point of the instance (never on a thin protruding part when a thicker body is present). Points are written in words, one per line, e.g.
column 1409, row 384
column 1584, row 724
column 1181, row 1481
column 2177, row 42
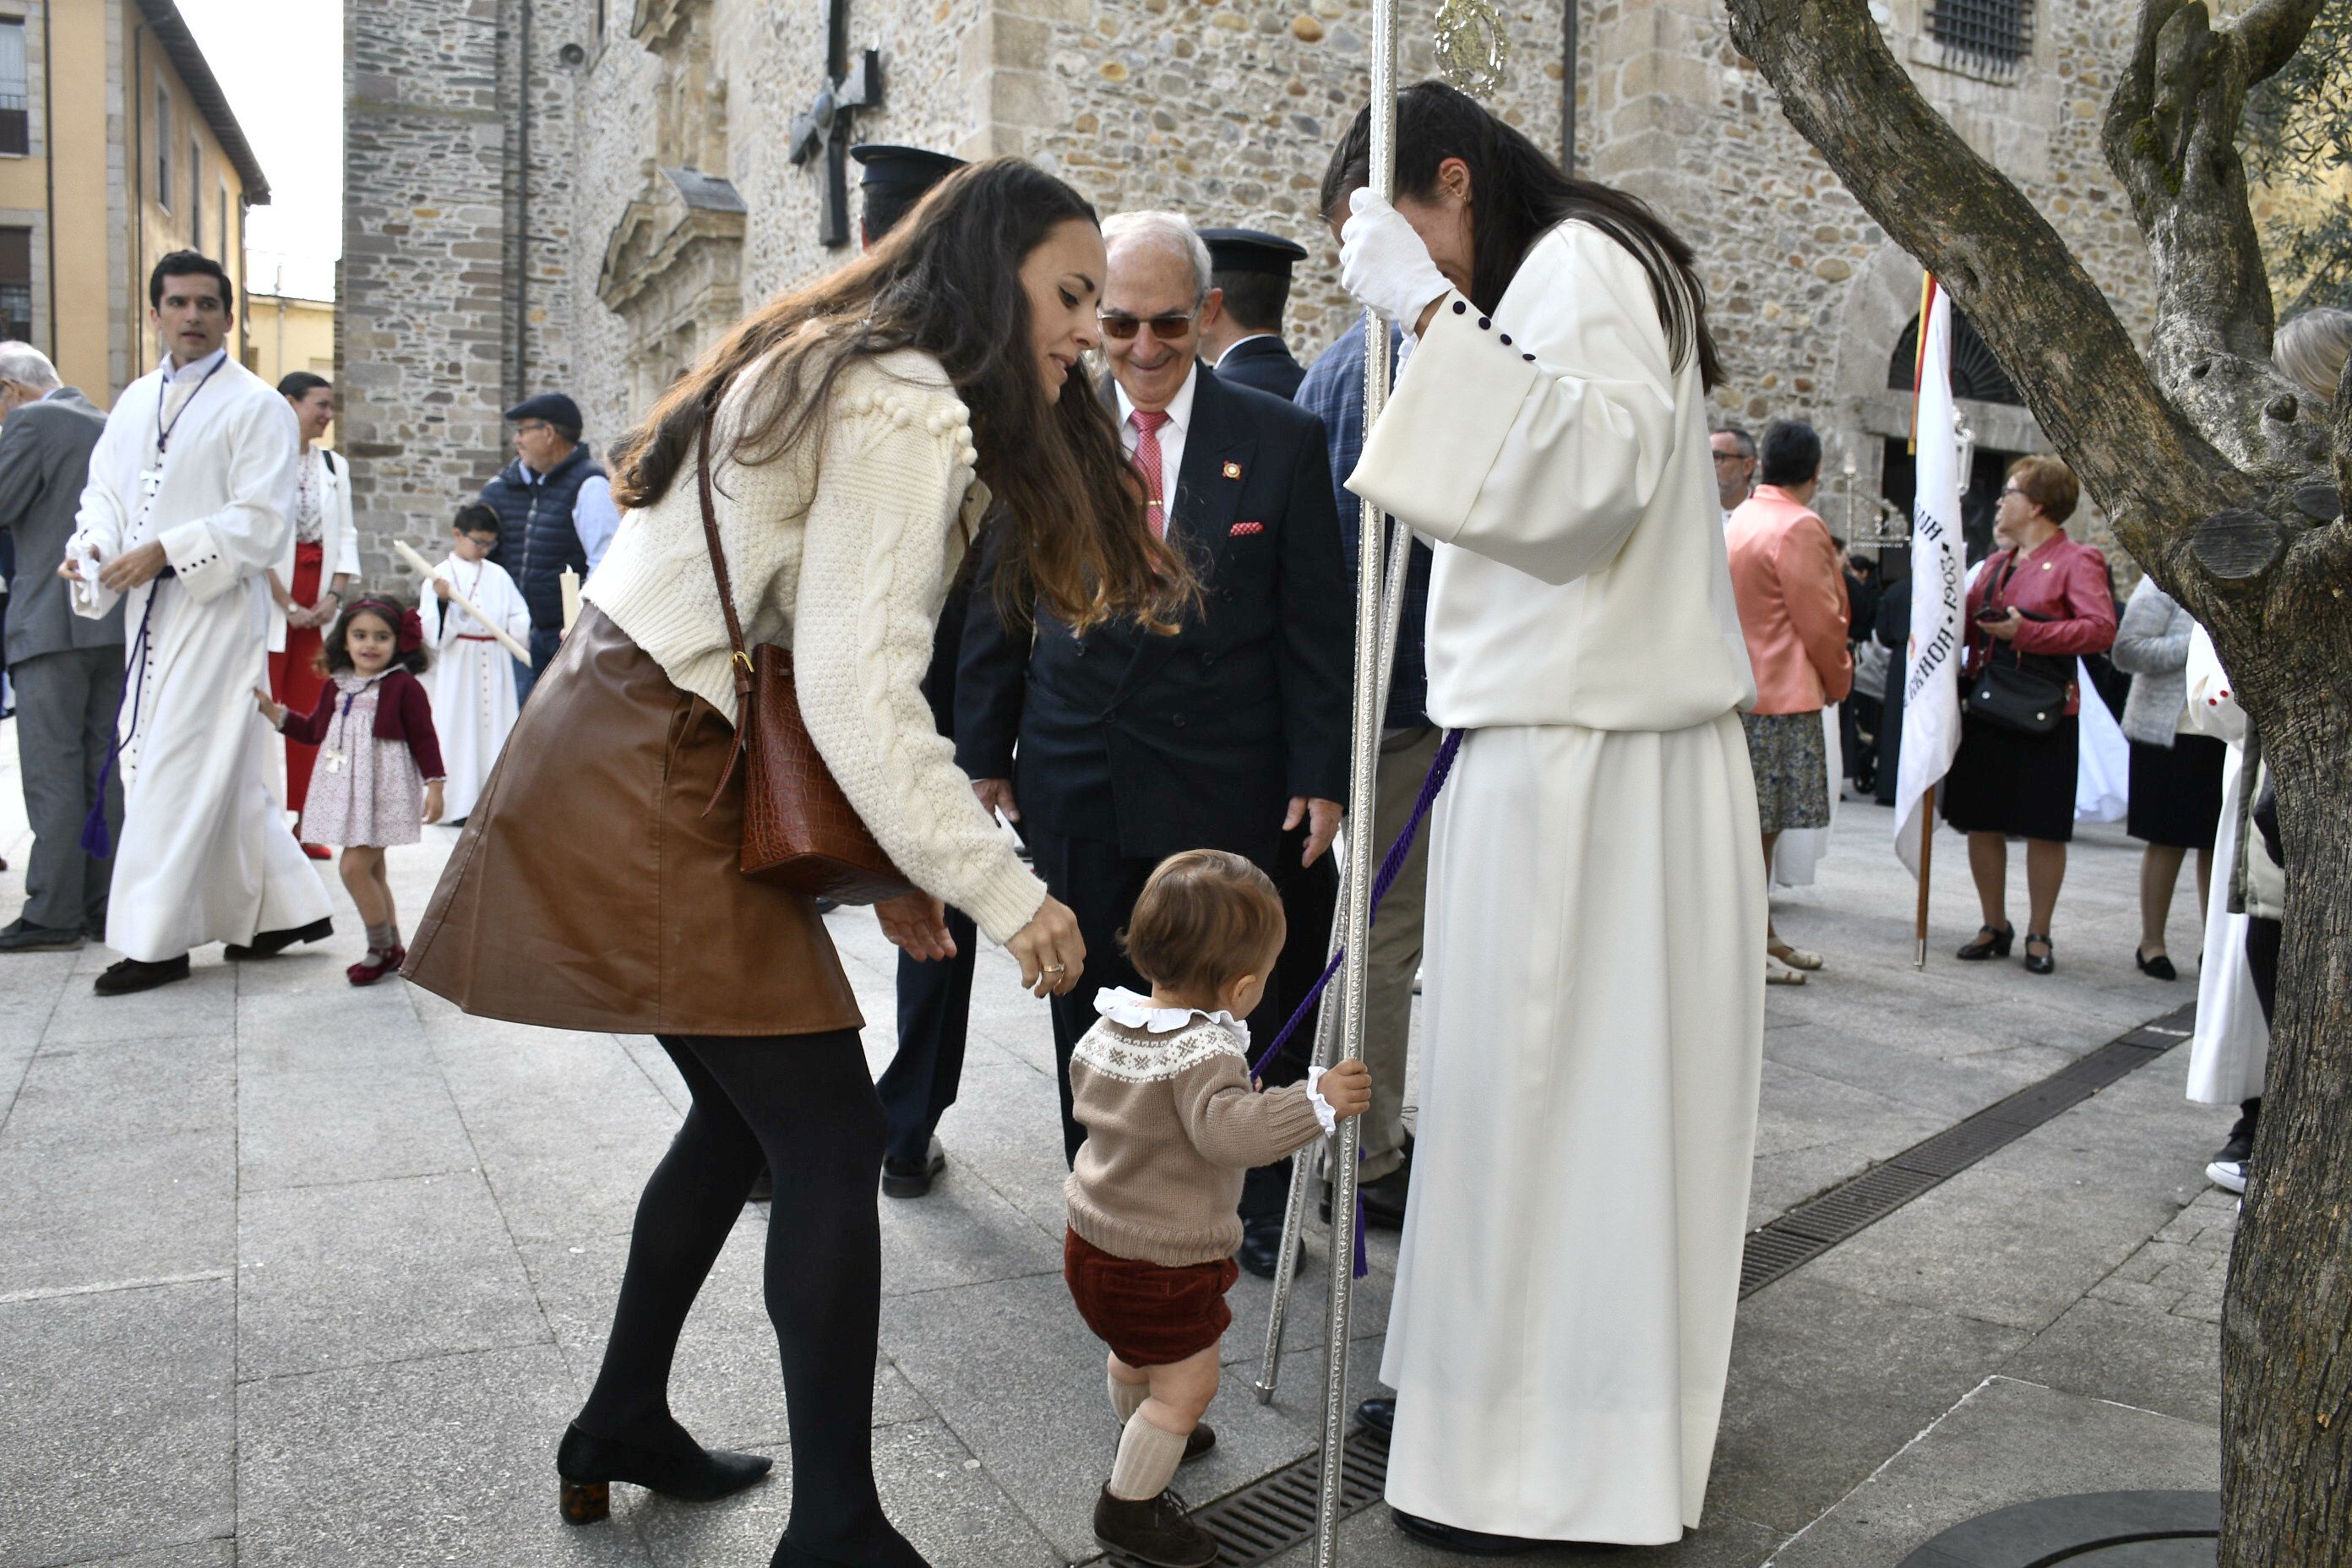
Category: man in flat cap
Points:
column 555, row 510
column 1241, row 335
column 893, row 179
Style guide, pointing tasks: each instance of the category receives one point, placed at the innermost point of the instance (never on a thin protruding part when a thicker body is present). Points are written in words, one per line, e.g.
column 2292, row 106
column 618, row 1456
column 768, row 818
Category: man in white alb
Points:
column 186, row 510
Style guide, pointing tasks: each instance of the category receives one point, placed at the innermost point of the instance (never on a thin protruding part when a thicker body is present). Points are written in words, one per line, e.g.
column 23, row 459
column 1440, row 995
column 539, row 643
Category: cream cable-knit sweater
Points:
column 841, row 549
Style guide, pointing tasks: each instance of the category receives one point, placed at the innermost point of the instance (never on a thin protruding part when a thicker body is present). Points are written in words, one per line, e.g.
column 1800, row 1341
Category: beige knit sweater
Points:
column 841, row 548
column 1172, row 1124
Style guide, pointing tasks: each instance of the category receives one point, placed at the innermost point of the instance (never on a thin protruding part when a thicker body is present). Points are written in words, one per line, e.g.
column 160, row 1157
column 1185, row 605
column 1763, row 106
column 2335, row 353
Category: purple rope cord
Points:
column 1391, row 866
column 94, row 837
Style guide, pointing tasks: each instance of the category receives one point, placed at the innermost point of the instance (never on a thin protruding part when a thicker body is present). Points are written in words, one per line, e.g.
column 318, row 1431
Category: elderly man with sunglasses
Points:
column 1115, row 749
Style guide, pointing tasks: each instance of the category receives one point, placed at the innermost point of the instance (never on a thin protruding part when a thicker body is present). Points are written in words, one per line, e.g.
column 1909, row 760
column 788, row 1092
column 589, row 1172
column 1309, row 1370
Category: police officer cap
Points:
column 552, row 407
column 903, row 172
column 1250, row 250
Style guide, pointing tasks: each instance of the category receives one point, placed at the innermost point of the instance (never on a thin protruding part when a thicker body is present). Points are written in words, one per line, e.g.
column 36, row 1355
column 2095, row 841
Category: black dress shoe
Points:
column 1384, row 1199
column 2041, row 962
column 1469, row 1542
column 678, row 1467
column 913, row 1178
column 269, row 943
column 1261, row 1247
column 19, row 936
column 131, row 974
column 1153, row 1531
column 763, row 1187
column 1990, row 943
column 1379, row 1413
column 1202, row 1438
column 2156, row 968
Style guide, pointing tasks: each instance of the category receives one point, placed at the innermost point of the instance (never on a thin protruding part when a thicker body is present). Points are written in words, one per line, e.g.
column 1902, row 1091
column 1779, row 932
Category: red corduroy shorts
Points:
column 1150, row 1315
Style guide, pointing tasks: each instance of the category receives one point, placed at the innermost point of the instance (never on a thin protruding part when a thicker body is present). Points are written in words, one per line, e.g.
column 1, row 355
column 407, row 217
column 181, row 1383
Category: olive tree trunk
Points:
column 2230, row 487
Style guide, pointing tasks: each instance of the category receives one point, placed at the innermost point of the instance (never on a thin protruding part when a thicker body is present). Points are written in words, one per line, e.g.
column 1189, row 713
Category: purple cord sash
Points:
column 95, row 839
column 1391, row 866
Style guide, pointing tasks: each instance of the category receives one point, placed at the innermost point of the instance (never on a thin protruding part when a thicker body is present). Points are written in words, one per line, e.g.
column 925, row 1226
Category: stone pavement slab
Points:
column 390, row 1235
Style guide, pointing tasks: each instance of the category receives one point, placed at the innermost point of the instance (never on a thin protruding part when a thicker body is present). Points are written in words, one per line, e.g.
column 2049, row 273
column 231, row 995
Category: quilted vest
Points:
column 536, row 538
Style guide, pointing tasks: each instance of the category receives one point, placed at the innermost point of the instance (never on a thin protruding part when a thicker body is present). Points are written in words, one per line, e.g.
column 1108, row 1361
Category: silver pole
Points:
column 1358, row 897
column 1326, row 1021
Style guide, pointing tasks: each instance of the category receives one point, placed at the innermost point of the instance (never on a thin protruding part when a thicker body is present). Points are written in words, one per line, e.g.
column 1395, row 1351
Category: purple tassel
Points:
column 95, row 839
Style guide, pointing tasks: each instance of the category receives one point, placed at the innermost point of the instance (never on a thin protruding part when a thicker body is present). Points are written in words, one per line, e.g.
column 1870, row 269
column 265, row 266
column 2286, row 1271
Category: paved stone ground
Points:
column 296, row 1275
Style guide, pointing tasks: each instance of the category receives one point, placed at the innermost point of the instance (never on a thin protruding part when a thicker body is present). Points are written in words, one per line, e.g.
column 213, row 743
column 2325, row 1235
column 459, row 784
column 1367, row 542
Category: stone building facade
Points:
column 581, row 194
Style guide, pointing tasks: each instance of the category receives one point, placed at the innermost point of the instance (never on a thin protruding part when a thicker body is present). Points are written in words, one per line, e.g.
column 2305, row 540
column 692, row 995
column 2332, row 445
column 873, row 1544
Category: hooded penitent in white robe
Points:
column 1593, row 1001
column 205, row 855
column 473, row 680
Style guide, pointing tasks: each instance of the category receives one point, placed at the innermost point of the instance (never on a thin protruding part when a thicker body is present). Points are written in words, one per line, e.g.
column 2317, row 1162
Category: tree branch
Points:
column 2134, row 447
column 2170, row 134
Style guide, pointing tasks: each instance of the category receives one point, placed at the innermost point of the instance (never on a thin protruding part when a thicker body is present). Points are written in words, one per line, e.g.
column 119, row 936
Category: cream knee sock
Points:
column 1147, row 1457
column 1127, row 1398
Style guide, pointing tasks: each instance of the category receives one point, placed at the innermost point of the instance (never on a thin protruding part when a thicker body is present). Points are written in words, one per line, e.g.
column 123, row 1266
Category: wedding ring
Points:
column 1056, row 969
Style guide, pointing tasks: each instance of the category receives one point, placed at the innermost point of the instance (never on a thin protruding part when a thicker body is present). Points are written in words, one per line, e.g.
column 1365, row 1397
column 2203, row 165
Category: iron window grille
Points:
column 16, row 122
column 1997, row 34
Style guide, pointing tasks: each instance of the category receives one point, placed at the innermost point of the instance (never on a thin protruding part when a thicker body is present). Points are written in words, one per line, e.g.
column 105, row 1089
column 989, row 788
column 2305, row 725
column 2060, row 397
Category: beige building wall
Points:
column 106, row 98
column 284, row 333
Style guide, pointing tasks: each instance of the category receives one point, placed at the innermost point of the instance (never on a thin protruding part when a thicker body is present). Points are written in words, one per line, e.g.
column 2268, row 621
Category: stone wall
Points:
column 449, row 306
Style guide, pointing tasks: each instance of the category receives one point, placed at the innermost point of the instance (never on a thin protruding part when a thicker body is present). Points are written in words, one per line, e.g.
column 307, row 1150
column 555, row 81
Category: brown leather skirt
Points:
column 588, row 890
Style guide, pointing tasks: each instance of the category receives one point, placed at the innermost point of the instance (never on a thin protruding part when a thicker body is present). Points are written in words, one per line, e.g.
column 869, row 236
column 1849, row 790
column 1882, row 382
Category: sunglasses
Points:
column 1164, row 328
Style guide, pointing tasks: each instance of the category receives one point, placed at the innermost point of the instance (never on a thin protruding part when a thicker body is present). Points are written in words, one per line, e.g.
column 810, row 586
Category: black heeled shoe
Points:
column 1990, row 943
column 588, row 1465
column 2041, row 962
column 2156, row 968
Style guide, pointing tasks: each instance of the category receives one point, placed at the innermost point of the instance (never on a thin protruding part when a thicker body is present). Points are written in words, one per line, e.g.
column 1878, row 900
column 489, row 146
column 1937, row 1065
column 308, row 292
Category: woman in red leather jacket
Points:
column 2042, row 601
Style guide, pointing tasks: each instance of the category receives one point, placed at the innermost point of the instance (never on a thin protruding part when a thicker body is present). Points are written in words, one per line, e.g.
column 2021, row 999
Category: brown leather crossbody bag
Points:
column 800, row 831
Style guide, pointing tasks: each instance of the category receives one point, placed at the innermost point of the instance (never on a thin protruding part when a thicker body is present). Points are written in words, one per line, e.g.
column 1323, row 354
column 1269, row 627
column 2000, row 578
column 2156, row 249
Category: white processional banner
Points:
column 1931, row 693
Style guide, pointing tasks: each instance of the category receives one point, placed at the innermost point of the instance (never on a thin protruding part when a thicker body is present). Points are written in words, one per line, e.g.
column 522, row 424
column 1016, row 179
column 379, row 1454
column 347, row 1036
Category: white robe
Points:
column 2228, row 1056
column 473, row 684
column 205, row 855
column 1594, row 1002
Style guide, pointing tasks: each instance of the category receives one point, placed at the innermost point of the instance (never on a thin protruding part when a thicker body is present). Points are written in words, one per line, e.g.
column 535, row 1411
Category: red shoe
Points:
column 318, row 852
column 375, row 966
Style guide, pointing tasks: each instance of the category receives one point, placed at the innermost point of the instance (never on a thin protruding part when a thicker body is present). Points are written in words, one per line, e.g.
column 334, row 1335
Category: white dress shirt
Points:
column 1171, row 435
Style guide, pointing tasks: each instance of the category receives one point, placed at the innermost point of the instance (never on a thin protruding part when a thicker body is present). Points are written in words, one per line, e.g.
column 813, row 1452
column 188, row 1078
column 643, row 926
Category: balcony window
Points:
column 15, row 121
column 17, row 284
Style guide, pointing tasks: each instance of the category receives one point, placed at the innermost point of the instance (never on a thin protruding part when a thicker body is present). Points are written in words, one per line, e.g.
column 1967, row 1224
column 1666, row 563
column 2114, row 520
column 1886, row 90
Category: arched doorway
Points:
column 1977, row 377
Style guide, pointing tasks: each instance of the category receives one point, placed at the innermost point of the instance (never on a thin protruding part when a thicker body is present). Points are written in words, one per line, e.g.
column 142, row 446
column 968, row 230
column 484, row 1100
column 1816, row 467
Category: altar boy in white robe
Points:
column 474, row 705
column 1595, row 991
column 187, row 508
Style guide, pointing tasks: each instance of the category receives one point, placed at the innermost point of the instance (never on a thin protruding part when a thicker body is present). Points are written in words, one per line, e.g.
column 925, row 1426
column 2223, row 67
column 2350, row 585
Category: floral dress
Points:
column 363, row 790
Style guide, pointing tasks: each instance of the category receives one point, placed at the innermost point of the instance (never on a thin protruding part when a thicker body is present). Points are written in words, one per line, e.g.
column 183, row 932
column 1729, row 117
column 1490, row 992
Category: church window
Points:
column 15, row 124
column 196, row 193
column 1976, row 374
column 1998, row 33
column 17, row 284
column 163, row 145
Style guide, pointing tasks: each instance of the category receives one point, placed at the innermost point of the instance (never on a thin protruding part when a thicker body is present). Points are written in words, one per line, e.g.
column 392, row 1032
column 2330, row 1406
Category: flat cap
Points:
column 902, row 171
column 552, row 407
column 1251, row 251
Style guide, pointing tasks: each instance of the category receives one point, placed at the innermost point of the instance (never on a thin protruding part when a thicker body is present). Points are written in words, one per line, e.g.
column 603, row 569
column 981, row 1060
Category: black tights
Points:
column 806, row 1106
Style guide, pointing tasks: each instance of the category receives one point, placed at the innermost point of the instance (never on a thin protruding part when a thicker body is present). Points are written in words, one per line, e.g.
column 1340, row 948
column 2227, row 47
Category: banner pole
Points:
column 1927, row 853
column 1356, row 896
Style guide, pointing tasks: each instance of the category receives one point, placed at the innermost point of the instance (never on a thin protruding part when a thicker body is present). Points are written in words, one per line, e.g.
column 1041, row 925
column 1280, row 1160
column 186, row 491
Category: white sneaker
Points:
column 2229, row 1176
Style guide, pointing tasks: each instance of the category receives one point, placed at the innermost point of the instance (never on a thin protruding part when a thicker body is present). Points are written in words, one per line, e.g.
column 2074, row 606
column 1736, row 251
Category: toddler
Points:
column 378, row 777
column 1162, row 1086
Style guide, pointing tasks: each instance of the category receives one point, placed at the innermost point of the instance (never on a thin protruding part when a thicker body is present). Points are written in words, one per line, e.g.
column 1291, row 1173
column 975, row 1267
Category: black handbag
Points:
column 2015, row 695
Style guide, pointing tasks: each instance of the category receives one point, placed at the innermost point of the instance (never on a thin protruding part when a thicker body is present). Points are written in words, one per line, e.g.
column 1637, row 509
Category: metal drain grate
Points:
column 1811, row 1228
column 1274, row 1513
column 1277, row 1513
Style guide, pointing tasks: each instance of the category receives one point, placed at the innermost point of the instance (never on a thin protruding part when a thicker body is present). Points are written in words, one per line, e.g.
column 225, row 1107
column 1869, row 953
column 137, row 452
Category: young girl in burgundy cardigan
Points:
column 1162, row 1086
column 377, row 779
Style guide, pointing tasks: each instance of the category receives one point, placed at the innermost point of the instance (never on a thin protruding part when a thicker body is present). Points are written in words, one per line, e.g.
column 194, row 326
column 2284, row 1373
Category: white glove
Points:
column 1383, row 263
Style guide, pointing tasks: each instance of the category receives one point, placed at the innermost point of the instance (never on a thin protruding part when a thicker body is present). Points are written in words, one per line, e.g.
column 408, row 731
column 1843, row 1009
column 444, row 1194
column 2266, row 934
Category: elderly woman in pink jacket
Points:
column 1792, row 609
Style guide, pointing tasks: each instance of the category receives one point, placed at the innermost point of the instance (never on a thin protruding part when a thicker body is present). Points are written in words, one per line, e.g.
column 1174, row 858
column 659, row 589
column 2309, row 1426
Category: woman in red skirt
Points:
column 322, row 533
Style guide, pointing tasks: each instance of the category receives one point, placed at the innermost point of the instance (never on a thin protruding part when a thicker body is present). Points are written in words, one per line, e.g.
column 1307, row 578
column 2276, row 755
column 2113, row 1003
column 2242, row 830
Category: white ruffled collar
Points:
column 1131, row 1010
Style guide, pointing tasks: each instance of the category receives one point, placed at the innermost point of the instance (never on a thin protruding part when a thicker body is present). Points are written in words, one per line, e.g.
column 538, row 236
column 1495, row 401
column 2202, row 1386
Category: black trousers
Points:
column 1100, row 886
column 934, row 1015
column 2264, row 939
column 805, row 1105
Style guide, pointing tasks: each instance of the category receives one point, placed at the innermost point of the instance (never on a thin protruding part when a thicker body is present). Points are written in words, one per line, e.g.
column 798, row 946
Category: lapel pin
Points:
column 1233, row 470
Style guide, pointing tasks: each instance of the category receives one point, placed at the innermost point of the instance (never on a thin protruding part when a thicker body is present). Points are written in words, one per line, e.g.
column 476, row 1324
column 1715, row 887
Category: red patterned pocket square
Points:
column 1244, row 529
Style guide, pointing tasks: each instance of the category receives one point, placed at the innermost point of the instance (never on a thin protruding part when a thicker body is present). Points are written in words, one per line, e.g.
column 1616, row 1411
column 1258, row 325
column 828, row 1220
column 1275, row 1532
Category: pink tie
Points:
column 1147, row 463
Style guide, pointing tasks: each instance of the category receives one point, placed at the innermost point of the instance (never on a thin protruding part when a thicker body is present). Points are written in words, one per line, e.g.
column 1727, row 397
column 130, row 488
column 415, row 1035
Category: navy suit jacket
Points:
column 1265, row 363
column 1198, row 740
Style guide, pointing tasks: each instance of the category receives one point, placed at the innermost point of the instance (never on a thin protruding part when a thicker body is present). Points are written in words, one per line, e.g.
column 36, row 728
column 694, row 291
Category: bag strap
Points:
column 739, row 661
